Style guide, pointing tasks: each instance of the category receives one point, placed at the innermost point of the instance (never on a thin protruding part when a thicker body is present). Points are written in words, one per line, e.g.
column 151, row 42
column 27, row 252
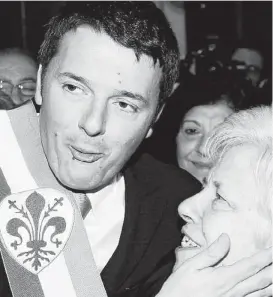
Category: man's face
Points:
column 227, row 204
column 193, row 133
column 98, row 103
column 253, row 60
column 16, row 71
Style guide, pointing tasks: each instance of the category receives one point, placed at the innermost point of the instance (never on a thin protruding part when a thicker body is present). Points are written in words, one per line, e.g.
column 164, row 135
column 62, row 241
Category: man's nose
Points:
column 15, row 97
column 93, row 121
column 6, row 102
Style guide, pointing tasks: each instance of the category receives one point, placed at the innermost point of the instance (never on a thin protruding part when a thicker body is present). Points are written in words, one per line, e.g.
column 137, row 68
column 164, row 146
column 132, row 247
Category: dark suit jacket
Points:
column 151, row 231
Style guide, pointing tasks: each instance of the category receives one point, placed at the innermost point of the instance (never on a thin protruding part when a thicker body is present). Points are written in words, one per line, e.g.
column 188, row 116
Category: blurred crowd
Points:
column 215, row 81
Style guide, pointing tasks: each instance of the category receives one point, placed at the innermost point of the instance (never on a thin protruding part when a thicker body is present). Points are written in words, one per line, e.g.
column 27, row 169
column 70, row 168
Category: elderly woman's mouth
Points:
column 187, row 242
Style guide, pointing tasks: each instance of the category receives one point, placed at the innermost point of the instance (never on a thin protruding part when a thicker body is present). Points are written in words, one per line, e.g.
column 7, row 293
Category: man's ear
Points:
column 175, row 86
column 38, row 93
column 151, row 129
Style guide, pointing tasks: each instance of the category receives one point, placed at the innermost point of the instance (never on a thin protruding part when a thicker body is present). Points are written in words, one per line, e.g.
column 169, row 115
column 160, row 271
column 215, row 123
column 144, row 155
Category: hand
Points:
column 258, row 269
column 197, row 277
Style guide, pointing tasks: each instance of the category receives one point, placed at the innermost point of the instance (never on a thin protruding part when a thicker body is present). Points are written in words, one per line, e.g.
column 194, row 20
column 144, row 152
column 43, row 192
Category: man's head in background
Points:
column 105, row 70
column 18, row 71
column 253, row 59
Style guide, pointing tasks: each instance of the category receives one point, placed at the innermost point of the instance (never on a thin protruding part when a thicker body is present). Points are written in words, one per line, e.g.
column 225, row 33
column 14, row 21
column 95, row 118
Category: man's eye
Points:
column 72, row 89
column 127, row 107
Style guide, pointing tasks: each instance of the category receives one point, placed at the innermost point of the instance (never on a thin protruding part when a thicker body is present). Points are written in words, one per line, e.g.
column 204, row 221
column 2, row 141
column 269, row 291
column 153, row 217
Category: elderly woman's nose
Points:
column 192, row 209
column 188, row 211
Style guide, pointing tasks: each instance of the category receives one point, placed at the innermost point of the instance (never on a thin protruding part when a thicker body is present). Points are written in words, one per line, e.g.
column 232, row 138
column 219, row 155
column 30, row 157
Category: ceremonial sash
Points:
column 44, row 244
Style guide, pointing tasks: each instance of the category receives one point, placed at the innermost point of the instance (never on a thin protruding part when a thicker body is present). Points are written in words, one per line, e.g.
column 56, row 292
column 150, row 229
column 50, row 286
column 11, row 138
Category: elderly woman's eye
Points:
column 220, row 203
column 219, row 197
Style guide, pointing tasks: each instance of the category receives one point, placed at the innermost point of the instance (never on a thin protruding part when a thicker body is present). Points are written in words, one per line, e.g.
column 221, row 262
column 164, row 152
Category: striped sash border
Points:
column 22, row 135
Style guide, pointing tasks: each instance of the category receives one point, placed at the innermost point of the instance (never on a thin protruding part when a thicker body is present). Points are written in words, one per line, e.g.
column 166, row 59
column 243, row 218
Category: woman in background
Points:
column 195, row 109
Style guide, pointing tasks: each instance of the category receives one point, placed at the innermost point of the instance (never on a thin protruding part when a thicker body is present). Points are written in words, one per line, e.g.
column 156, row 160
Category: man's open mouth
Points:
column 84, row 156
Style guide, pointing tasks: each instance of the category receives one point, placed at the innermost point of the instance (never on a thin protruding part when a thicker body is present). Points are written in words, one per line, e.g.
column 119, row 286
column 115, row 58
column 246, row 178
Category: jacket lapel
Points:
column 143, row 213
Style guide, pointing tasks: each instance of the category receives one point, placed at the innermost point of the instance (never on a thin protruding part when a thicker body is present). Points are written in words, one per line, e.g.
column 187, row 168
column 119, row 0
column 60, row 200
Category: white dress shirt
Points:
column 104, row 222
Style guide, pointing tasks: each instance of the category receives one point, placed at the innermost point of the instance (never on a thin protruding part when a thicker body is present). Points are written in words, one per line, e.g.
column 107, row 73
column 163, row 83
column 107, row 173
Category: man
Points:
column 105, row 70
column 253, row 60
column 239, row 207
column 18, row 72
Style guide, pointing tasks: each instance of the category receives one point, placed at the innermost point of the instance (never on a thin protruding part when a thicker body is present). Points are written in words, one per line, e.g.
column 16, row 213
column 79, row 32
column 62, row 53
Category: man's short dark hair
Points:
column 140, row 26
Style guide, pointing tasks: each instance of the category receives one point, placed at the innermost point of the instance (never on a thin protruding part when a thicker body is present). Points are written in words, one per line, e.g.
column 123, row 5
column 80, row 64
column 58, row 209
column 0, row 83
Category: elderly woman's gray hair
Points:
column 252, row 127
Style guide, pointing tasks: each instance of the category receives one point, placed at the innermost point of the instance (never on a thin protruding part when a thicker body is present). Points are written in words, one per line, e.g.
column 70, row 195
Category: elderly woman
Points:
column 236, row 198
column 237, row 194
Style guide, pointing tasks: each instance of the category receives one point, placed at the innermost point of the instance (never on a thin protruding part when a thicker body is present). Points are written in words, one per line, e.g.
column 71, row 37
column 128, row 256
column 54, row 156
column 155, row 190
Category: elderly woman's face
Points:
column 191, row 138
column 227, row 204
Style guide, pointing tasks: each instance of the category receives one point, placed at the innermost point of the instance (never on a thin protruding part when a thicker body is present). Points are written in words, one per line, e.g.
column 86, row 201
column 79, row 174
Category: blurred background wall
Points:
column 22, row 23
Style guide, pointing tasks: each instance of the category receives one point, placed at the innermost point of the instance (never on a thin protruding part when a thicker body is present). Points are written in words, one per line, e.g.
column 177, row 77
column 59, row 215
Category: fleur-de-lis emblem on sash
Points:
column 37, row 227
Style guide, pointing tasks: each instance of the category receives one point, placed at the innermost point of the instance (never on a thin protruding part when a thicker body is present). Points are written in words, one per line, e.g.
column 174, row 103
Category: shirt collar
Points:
column 106, row 197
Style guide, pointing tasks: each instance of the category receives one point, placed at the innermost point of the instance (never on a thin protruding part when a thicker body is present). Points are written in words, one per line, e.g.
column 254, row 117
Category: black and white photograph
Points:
column 136, row 149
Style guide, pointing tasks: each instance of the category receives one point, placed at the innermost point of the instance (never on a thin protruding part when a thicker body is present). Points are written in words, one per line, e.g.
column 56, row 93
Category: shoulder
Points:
column 168, row 179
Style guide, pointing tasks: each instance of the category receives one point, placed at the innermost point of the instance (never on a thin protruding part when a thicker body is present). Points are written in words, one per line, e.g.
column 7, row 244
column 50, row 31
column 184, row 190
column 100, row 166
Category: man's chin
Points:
column 78, row 183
